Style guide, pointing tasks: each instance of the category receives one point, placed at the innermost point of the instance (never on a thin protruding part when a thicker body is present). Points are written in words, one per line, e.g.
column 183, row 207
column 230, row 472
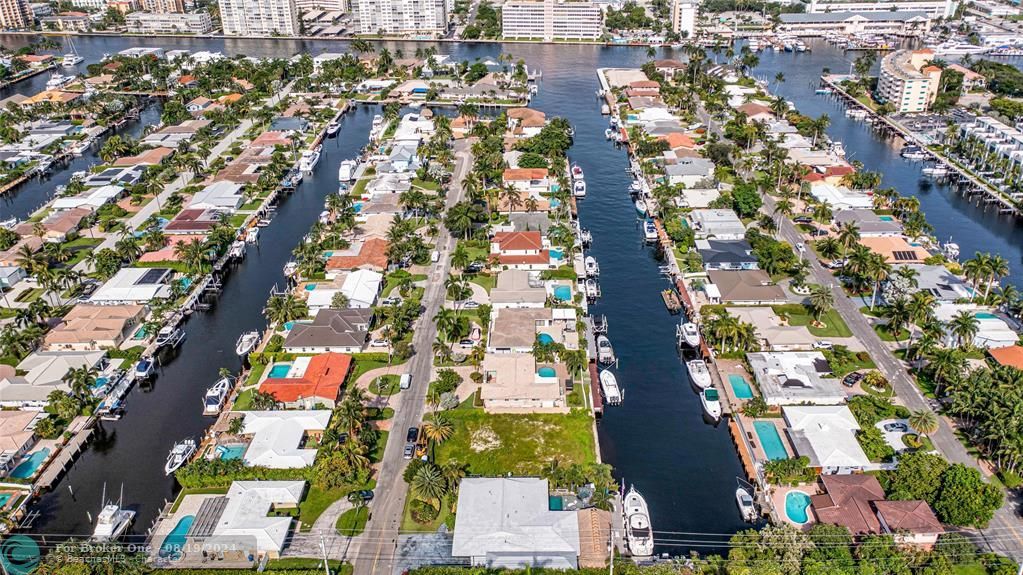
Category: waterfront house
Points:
column 536, row 181
column 171, row 136
column 719, row 224
column 124, row 176
column 134, row 286
column 690, row 172
column 795, row 377
column 515, row 330
column 515, row 381
column 521, row 250
column 94, row 327
column 826, row 435
column 370, row 254
column 507, row 522
column 869, row 223
column 841, row 197
column 527, row 222
column 726, row 255
column 895, row 249
column 911, row 522
column 971, row 80
column 645, row 87
column 253, row 518
column 42, row 372
column 668, row 68
column 743, row 287
column 10, row 276
column 337, row 330
column 518, row 289
column 311, row 381
column 755, row 112
column 289, row 124
column 774, row 332
column 383, row 184
column 57, row 226
column 857, row 502
column 941, row 283
column 193, row 221
column 283, row 439
column 992, row 331
column 91, row 199
column 525, row 122
column 66, row 22
column 17, row 436
column 221, row 196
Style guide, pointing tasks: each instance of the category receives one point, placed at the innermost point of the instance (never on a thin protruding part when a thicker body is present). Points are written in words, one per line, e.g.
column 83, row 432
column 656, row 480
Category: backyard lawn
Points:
column 365, row 362
column 409, row 525
column 798, row 315
column 486, row 281
column 497, row 444
column 317, row 500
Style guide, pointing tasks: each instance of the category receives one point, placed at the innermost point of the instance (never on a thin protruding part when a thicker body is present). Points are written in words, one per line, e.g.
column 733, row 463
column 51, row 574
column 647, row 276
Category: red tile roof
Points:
column 372, row 255
column 147, row 157
column 544, row 257
column 645, row 84
column 521, row 174
column 518, row 241
column 911, row 516
column 678, row 140
column 753, row 109
column 1012, row 355
column 839, row 171
column 323, row 378
column 848, row 502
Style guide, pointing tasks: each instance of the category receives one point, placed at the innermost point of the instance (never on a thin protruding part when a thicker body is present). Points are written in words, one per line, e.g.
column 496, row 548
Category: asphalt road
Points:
column 376, row 548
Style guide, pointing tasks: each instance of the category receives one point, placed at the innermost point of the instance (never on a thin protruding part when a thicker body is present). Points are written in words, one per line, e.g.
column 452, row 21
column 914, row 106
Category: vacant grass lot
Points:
column 798, row 315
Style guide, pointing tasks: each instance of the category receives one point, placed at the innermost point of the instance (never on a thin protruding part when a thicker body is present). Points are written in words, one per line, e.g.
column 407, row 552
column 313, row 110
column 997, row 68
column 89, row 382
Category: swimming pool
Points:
column 555, row 202
column 171, row 547
column 740, row 387
column 796, row 504
column 984, row 315
column 28, row 467
column 229, row 452
column 310, row 287
column 280, row 370
column 357, row 206
column 557, row 254
column 546, row 372
column 545, row 338
column 770, row 440
column 886, row 218
column 563, row 292
column 5, row 498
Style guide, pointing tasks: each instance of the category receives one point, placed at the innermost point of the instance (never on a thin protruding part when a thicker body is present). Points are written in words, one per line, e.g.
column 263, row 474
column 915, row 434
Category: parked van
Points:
column 406, row 381
column 434, row 256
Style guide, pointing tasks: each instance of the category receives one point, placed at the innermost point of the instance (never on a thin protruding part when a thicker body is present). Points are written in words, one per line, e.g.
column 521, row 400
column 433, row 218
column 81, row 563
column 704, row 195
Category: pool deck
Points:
column 778, row 495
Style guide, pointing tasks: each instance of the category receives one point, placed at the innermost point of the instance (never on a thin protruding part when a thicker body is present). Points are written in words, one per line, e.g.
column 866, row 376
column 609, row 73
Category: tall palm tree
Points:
column 877, row 270
column 821, row 300
column 282, row 308
column 924, row 421
column 439, row 429
column 964, row 327
column 429, row 484
column 848, row 235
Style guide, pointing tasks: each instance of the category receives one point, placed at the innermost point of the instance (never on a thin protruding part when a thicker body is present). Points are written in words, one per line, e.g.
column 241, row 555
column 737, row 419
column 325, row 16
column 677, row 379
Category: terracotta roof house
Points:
column 678, row 140
column 847, row 502
column 526, row 122
column 10, row 256
column 228, row 99
column 317, row 381
column 520, row 250
column 94, row 327
column 533, row 180
column 372, row 255
column 895, row 249
column 16, row 439
column 187, row 81
column 912, row 522
column 167, row 252
column 149, row 157
column 668, row 68
column 1011, row 355
column 647, row 87
column 272, row 138
column 755, row 111
column 51, row 96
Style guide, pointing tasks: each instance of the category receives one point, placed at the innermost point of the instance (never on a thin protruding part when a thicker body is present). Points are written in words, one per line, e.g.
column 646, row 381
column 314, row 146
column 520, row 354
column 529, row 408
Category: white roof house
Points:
column 826, row 434
column 44, row 371
column 362, row 287
column 795, row 377
column 278, row 435
column 223, row 195
column 717, row 223
column 507, row 522
column 244, row 523
column 841, row 197
column 992, row 331
column 93, row 198
column 134, row 285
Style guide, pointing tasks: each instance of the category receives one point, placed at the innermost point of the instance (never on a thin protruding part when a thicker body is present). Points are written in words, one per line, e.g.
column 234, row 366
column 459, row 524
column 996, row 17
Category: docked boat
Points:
column 144, row 367
column 953, row 48
column 179, row 455
column 698, row 373
column 605, row 353
column 577, row 172
column 936, row 171
column 9, row 223
column 246, row 343
column 638, row 534
column 332, row 129
column 636, row 186
column 649, row 231
column 913, row 153
column 823, row 91
column 237, row 249
column 605, row 110
column 747, row 508
column 592, row 269
column 711, row 402
column 71, row 60
column 579, row 188
column 290, row 268
column 951, row 250
column 690, row 334
column 599, row 324
column 856, row 113
column 215, row 396
column 838, row 149
column 609, row 387
column 641, row 206
column 252, row 236
column 58, row 81
column 309, row 159
column 346, row 171
column 169, row 336
column 112, row 523
column 592, row 288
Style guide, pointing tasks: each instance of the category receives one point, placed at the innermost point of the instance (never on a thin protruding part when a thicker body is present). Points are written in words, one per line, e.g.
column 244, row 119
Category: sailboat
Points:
column 71, row 58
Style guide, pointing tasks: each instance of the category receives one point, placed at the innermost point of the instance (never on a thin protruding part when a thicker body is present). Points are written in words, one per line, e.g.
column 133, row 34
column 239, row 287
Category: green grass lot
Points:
column 393, row 280
column 886, row 334
column 408, row 525
column 428, row 186
column 497, row 444
column 353, row 521
column 486, row 281
column 384, row 385
column 80, row 248
column 299, row 564
column 317, row 500
column 834, row 325
column 366, row 363
column 29, row 295
column 179, row 267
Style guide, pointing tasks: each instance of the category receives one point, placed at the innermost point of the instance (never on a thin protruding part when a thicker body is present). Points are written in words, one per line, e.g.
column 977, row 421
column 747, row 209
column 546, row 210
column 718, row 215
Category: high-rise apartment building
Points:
column 168, row 23
column 403, row 16
column 328, row 5
column 15, row 15
column 934, row 8
column 164, row 6
column 683, row 17
column 550, row 20
column 259, row 17
column 908, row 81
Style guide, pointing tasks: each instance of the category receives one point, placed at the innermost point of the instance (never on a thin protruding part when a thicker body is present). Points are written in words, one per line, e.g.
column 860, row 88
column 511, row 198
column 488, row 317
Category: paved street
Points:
column 375, row 552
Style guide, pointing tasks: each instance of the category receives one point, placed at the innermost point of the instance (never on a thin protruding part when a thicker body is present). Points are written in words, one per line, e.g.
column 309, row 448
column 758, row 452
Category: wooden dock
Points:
column 598, row 399
column 671, row 301
column 66, row 456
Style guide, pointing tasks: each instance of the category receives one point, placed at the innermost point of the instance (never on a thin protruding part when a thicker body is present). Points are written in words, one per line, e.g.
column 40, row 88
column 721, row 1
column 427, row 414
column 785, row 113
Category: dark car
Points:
column 817, row 232
column 474, row 267
column 802, row 219
column 852, row 379
column 361, row 495
column 412, row 435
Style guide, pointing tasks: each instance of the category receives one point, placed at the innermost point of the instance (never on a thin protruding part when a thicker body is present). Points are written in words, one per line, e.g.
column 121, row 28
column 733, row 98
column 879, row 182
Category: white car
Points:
column 378, row 343
column 469, row 304
column 823, row 344
column 801, row 247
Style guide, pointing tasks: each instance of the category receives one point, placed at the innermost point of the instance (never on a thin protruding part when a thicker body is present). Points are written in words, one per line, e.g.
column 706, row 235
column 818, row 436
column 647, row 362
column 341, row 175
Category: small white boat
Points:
column 169, row 336
column 579, row 188
column 951, row 250
column 936, row 171
column 605, row 353
column 237, row 249
column 592, row 288
column 215, row 396
column 144, row 368
column 70, row 60
column 332, row 129
column 592, row 269
column 309, row 159
column 690, row 334
column 290, row 268
column 856, row 113
column 641, row 206
column 346, row 171
column 913, row 153
column 246, row 343
column 838, row 149
column 638, row 533
column 649, row 231
column 179, row 455
column 636, row 186
column 711, row 403
column 112, row 523
column 609, row 387
column 605, row 110
column 252, row 236
column 9, row 223
column 577, row 172
column 746, row 506
column 698, row 373
column 822, row 91
column 58, row 81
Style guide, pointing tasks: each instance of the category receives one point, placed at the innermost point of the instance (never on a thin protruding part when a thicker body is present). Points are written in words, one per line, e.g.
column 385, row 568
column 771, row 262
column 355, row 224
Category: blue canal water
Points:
column 657, row 440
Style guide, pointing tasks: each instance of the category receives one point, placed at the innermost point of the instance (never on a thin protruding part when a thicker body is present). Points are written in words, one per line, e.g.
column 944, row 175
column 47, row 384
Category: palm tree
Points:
column 195, row 255
column 429, row 484
column 946, row 365
column 282, row 308
column 821, row 300
column 998, row 267
column 899, row 315
column 964, row 326
column 848, row 235
column 829, row 247
column 924, row 421
column 439, row 429
column 878, row 271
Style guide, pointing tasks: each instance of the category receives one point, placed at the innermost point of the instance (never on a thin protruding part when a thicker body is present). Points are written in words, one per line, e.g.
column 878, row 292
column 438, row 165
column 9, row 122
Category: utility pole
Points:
column 326, row 564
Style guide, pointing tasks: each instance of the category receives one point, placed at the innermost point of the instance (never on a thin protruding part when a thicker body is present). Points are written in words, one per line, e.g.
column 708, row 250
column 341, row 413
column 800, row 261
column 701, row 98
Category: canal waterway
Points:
column 657, row 440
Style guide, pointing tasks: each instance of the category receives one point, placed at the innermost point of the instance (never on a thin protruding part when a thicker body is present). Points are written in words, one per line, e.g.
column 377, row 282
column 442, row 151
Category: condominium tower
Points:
column 259, row 17
column 550, row 20
column 908, row 81
column 425, row 17
column 683, row 17
column 933, row 8
column 164, row 6
column 15, row 15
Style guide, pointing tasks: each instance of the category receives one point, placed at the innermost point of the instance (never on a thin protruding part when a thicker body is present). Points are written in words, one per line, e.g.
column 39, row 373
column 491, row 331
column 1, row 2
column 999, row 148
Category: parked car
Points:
column 474, row 268
column 378, row 343
column 466, row 343
column 852, row 379
column 802, row 219
column 817, row 233
column 470, row 304
column 361, row 495
column 390, row 301
column 823, row 344
column 410, row 449
column 897, row 426
column 412, row 435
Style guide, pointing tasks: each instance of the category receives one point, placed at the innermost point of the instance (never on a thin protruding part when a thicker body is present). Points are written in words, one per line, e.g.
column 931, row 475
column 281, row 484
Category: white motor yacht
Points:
column 605, row 353
column 9, row 223
column 952, row 48
column 592, row 288
column 592, row 269
column 698, row 373
column 309, row 159
column 690, row 334
column 246, row 343
column 112, row 523
column 913, row 153
column 58, row 81
column 579, row 188
column 641, row 206
column 936, row 171
column 649, row 231
column 856, row 113
column 252, row 236
column 215, row 396
column 144, row 368
column 577, row 172
column 636, row 186
column 346, row 171
column 169, row 336
column 179, row 455
column 70, row 60
column 746, row 506
column 332, row 129
column 638, row 533
column 711, row 403
column 609, row 387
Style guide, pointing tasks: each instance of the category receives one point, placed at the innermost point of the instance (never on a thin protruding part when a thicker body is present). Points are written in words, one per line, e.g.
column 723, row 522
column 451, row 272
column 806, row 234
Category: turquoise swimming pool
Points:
column 555, row 202
column 984, row 315
column 311, row 287
column 280, row 370
column 546, row 372
column 175, row 541
column 557, row 254
column 740, row 387
column 545, row 338
column 231, row 451
column 5, row 498
column 796, row 505
column 563, row 292
column 886, row 218
column 28, row 467
column 770, row 440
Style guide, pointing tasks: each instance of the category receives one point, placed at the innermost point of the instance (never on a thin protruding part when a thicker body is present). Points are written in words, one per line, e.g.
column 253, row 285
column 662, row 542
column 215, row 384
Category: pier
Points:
column 81, row 432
